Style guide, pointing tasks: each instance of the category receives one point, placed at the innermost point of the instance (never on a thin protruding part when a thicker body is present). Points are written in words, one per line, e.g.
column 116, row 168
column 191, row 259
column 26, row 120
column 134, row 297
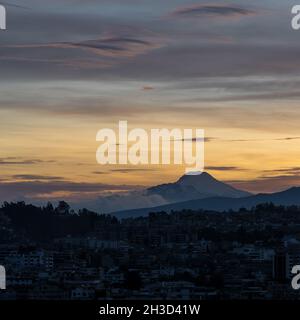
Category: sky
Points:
column 72, row 67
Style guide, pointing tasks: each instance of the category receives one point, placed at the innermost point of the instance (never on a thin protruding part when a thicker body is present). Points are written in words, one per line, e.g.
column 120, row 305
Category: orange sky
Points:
column 230, row 70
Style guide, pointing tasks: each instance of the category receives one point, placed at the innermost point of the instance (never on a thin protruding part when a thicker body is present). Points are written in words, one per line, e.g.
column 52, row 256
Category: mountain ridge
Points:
column 290, row 196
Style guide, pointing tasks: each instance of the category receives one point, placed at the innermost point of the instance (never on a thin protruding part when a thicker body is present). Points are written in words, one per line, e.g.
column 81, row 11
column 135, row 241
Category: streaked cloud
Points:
column 286, row 171
column 33, row 177
column 124, row 170
column 112, row 48
column 148, row 88
column 213, row 10
column 199, row 139
column 99, row 172
column 267, row 184
column 132, row 170
column 43, row 189
column 262, row 139
column 18, row 161
column 223, row 168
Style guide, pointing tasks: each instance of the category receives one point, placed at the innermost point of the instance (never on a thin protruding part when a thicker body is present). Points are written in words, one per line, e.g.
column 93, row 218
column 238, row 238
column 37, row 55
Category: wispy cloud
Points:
column 148, row 88
column 268, row 183
column 224, row 168
column 57, row 189
column 214, row 10
column 33, row 177
column 199, row 139
column 258, row 140
column 99, row 172
column 18, row 161
column 131, row 170
column 124, row 170
column 285, row 171
column 108, row 48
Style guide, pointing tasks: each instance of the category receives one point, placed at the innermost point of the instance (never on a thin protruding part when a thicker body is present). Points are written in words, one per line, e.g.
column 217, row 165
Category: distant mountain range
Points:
column 218, row 203
column 188, row 187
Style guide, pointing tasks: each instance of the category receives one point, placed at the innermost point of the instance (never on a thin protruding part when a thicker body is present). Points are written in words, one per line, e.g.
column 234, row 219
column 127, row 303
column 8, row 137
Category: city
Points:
column 206, row 255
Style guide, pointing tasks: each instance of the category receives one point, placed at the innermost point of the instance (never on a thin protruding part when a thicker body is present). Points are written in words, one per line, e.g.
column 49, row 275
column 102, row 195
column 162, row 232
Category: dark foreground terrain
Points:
column 56, row 253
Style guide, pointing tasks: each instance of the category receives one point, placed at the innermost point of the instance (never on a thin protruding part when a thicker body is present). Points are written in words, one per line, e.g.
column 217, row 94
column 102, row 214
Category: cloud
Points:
column 112, row 47
column 147, row 88
column 130, row 170
column 268, row 184
column 256, row 49
column 33, row 177
column 209, row 11
column 281, row 95
column 287, row 138
column 18, row 161
column 123, row 170
column 109, row 49
column 286, row 171
column 258, row 140
column 99, row 172
column 45, row 188
column 199, row 139
column 223, row 168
